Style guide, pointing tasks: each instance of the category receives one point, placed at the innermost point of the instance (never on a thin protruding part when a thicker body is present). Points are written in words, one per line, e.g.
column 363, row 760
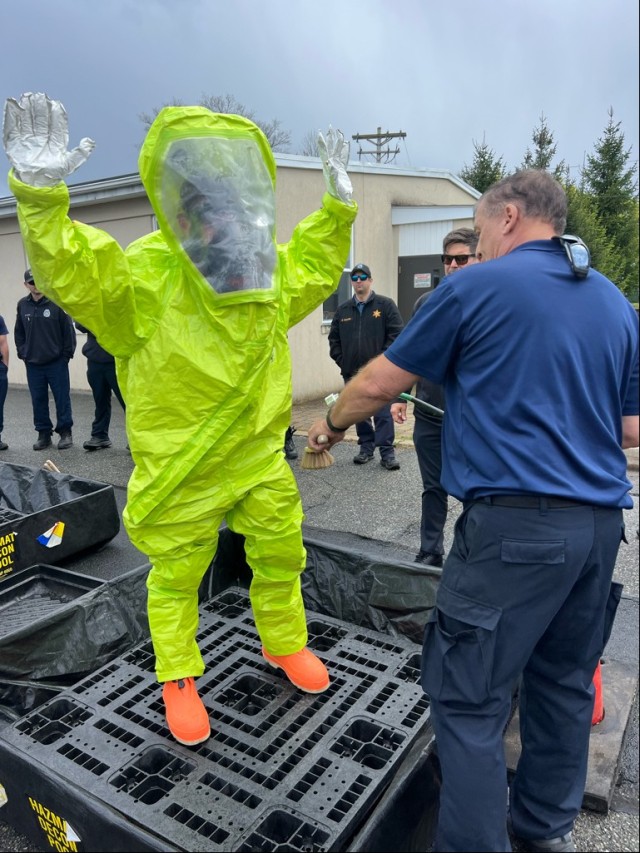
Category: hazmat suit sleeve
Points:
column 315, row 256
column 80, row 268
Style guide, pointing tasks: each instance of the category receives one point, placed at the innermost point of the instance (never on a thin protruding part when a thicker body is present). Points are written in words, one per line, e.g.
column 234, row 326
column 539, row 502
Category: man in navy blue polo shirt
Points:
column 538, row 355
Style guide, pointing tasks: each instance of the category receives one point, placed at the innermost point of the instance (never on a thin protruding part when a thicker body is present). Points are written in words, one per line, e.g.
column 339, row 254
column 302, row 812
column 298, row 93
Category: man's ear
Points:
column 183, row 223
column 511, row 218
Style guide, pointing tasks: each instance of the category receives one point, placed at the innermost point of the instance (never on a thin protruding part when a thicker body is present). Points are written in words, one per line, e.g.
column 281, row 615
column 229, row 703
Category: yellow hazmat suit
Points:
column 197, row 315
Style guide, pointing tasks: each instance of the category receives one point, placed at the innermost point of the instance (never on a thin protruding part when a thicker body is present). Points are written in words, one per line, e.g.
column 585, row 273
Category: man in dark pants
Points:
column 362, row 328
column 46, row 340
column 538, row 355
column 289, row 446
column 101, row 376
column 459, row 249
column 4, row 382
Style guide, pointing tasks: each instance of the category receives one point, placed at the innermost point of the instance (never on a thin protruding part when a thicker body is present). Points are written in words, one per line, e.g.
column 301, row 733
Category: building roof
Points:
column 130, row 185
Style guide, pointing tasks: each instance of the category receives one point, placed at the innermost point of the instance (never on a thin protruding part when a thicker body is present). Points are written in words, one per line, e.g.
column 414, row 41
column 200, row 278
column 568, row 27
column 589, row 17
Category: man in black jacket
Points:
column 362, row 328
column 46, row 340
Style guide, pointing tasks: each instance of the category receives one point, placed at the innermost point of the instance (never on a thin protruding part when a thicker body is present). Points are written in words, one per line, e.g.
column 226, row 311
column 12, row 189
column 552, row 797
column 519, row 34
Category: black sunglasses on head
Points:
column 460, row 260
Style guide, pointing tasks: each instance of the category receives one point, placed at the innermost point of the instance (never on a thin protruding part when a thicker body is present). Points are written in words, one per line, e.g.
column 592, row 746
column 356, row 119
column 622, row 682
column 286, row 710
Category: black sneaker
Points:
column 561, row 844
column 289, row 447
column 44, row 441
column 390, row 463
column 65, row 440
column 363, row 458
column 95, row 443
column 427, row 559
column 3, row 444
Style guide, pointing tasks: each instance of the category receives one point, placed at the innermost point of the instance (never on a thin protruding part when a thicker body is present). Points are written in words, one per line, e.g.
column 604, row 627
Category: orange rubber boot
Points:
column 598, row 703
column 303, row 669
column 187, row 717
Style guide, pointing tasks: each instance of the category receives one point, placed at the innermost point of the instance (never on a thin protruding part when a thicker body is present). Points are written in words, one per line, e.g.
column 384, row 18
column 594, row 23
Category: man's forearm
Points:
column 630, row 431
column 379, row 382
column 357, row 402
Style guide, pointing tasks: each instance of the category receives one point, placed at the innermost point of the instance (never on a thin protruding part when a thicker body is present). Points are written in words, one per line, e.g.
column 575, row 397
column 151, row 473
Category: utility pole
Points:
column 379, row 139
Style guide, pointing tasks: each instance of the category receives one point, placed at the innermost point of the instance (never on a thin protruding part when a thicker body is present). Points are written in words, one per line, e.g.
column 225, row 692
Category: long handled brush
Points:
column 408, row 398
column 426, row 407
column 312, row 461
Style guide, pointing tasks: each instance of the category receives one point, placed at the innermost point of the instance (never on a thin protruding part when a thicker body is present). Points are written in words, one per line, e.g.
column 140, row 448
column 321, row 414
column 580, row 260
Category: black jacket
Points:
column 92, row 350
column 425, row 389
column 355, row 338
column 43, row 332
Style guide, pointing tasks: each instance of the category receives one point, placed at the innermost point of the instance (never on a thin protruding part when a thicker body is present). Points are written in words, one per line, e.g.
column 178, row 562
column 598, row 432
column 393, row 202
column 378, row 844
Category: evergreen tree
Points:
column 610, row 179
column 485, row 170
column 544, row 151
column 582, row 220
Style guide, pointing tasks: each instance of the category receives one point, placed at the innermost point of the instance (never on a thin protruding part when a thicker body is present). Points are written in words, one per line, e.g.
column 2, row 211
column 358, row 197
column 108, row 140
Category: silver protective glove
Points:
column 334, row 153
column 36, row 135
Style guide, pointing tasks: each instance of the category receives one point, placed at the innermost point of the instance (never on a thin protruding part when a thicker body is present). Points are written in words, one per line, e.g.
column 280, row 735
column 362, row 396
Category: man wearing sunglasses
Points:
column 459, row 249
column 362, row 328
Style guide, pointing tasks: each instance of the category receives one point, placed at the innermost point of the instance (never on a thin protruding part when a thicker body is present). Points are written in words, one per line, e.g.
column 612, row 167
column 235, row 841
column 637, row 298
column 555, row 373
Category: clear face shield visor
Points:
column 219, row 202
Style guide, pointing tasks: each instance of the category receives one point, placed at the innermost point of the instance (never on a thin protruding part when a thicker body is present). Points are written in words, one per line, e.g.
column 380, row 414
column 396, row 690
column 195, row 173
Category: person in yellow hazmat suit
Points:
column 196, row 315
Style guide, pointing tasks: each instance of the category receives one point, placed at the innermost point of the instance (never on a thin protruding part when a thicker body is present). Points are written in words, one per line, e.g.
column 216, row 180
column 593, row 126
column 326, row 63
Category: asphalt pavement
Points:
column 367, row 500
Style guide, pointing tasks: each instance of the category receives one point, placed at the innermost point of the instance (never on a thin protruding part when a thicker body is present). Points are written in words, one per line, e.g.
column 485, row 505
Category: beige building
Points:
column 403, row 216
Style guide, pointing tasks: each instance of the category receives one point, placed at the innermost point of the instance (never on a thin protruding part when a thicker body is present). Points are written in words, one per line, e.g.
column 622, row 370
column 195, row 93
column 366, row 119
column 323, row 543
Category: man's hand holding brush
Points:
column 324, row 434
column 377, row 383
column 319, row 439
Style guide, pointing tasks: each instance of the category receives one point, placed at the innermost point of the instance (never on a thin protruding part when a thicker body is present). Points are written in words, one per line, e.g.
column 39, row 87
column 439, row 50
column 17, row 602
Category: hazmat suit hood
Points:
column 211, row 180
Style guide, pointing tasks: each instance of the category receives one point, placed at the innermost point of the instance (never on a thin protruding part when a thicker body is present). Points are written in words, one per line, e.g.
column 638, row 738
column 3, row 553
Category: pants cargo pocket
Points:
column 458, row 649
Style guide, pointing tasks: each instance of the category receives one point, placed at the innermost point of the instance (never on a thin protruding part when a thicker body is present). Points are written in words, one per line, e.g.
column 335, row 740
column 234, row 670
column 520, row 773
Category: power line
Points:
column 379, row 140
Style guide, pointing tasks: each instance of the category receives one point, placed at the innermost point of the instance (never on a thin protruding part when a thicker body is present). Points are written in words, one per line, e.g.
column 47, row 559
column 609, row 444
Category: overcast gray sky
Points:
column 445, row 73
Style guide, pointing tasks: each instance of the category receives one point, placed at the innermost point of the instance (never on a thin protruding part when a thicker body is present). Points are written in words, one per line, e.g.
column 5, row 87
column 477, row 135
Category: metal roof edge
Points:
column 130, row 185
column 89, row 192
column 302, row 162
column 416, row 214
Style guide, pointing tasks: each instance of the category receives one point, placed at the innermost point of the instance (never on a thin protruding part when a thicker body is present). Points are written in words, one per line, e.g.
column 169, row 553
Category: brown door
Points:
column 417, row 274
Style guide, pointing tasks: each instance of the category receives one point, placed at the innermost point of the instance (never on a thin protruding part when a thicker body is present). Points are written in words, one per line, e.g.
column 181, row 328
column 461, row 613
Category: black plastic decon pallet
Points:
column 282, row 771
column 29, row 595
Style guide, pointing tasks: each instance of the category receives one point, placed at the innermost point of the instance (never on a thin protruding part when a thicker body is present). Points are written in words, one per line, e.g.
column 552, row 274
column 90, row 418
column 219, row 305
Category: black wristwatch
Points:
column 331, row 425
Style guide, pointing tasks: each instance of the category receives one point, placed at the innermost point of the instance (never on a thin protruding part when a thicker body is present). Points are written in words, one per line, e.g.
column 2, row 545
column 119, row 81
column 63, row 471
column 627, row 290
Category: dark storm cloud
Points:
column 445, row 74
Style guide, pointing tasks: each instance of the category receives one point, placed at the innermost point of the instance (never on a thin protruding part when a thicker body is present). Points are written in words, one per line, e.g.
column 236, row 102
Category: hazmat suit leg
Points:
column 172, row 605
column 180, row 537
column 270, row 519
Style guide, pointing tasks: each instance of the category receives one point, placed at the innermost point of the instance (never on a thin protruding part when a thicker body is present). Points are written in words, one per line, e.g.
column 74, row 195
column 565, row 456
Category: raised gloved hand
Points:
column 36, row 136
column 334, row 153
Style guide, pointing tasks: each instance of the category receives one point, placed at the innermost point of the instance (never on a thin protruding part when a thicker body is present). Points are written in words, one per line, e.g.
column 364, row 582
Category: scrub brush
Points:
column 312, row 461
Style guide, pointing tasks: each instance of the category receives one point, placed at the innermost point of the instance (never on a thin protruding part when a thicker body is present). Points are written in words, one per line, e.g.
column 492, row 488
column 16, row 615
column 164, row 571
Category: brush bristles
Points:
column 312, row 461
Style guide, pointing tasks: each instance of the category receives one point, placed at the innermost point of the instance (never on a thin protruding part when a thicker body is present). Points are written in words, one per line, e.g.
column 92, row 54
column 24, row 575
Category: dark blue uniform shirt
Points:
column 538, row 369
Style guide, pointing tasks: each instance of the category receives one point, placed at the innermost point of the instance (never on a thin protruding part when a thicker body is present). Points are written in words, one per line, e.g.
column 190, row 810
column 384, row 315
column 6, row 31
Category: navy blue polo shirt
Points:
column 538, row 368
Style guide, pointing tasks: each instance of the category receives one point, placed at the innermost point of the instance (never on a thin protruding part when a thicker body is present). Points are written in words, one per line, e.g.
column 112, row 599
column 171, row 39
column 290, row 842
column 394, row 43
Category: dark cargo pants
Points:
column 524, row 592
